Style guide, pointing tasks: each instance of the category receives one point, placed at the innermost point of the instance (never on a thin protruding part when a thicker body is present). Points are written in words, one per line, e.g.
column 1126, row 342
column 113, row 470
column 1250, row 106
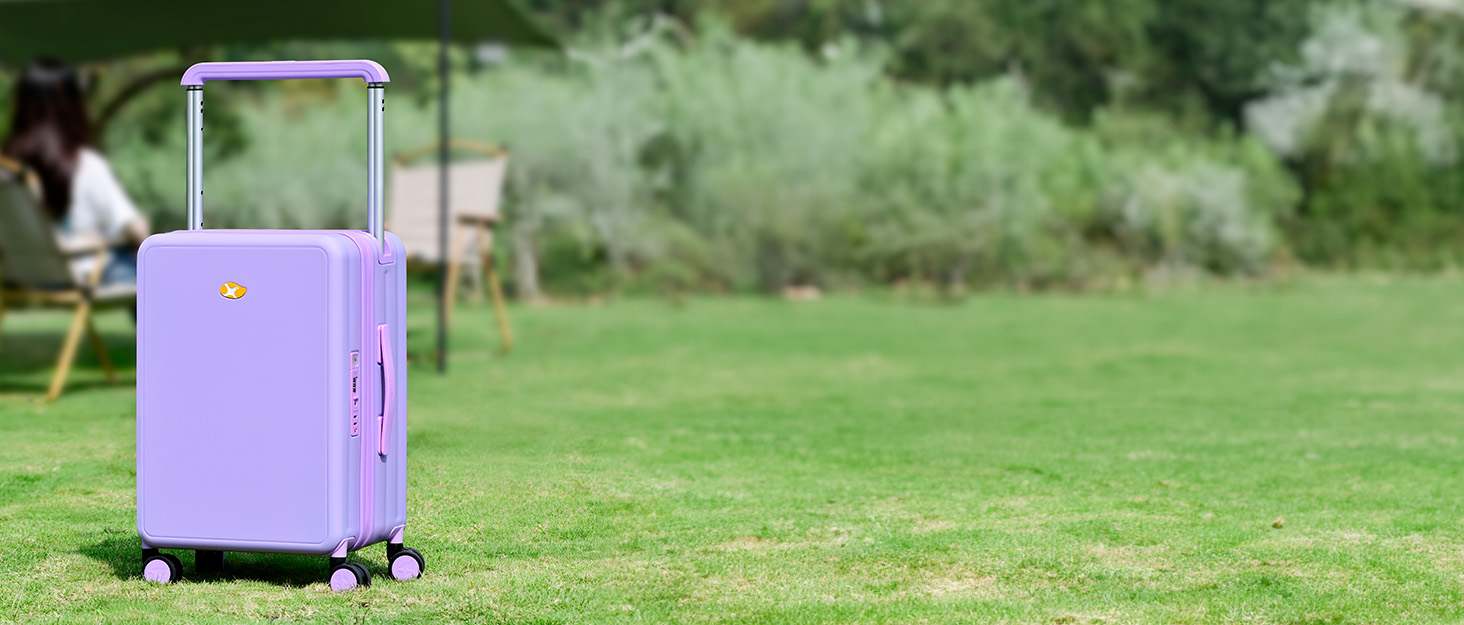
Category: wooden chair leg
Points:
column 454, row 270
column 101, row 349
column 473, row 284
column 485, row 246
column 68, row 350
column 495, row 288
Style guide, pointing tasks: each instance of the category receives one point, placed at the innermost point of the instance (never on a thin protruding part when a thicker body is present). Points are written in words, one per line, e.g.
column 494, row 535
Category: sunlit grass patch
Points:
column 1285, row 454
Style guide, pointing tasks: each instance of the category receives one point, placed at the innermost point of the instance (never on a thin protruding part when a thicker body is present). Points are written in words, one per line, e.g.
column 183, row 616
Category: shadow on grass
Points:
column 124, row 555
column 27, row 359
column 35, row 391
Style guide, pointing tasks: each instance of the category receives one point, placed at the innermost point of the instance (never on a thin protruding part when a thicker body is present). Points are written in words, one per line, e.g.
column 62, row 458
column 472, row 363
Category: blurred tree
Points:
column 1193, row 57
column 1373, row 146
column 947, row 41
column 1216, row 53
column 808, row 21
column 1078, row 53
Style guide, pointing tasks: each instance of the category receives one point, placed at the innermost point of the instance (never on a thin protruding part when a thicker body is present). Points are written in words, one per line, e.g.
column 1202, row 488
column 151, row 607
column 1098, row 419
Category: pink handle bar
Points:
column 387, row 358
column 200, row 73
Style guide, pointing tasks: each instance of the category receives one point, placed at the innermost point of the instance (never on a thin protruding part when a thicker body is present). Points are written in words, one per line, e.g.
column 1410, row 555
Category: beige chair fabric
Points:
column 412, row 202
column 473, row 214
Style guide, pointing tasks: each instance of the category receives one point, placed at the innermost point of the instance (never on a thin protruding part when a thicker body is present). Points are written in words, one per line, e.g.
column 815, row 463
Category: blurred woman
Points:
column 51, row 134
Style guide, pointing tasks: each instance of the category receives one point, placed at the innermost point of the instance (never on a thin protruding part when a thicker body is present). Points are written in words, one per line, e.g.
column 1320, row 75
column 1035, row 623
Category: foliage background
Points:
column 754, row 144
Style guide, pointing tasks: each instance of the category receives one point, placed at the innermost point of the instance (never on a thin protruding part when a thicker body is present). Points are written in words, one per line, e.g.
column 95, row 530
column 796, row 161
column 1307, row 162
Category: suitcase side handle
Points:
column 376, row 79
column 200, row 73
column 387, row 357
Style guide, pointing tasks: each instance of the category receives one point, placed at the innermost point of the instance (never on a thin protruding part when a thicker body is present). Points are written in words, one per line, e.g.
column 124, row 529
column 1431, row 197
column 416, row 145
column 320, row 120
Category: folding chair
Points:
column 477, row 189
column 35, row 271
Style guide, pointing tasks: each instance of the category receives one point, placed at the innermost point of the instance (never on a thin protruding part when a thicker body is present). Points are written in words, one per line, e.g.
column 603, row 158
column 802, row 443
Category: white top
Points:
column 100, row 208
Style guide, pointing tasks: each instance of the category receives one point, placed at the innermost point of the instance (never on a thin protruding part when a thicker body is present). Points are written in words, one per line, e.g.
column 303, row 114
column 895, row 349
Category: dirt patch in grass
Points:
column 926, row 527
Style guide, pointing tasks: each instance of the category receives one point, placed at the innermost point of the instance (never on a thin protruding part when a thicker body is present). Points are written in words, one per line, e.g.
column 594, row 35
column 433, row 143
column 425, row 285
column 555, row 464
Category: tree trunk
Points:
column 525, row 265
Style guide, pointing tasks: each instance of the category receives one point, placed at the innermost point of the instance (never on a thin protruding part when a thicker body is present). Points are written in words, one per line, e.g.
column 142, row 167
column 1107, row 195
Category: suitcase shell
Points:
column 271, row 392
column 250, row 435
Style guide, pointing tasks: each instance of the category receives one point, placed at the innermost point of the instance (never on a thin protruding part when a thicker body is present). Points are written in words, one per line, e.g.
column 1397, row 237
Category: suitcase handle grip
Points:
column 375, row 77
column 387, row 357
column 200, row 73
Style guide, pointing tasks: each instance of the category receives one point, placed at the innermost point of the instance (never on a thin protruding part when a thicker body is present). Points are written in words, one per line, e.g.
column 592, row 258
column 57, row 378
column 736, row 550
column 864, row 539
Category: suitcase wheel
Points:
column 406, row 563
column 208, row 562
column 348, row 576
column 162, row 568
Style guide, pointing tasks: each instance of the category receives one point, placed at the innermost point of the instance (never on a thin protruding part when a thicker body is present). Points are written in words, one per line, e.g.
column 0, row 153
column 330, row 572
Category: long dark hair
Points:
column 48, row 129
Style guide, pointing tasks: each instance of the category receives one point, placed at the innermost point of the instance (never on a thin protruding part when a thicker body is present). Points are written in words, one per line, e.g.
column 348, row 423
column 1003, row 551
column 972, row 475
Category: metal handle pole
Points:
column 195, row 158
column 376, row 161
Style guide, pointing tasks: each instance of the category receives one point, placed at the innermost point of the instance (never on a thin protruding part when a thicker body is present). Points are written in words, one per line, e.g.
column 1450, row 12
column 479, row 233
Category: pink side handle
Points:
column 387, row 358
column 200, row 73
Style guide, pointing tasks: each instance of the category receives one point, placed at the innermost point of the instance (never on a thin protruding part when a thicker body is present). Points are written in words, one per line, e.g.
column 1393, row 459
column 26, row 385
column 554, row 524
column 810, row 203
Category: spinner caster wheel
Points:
column 162, row 568
column 208, row 562
column 405, row 563
column 347, row 576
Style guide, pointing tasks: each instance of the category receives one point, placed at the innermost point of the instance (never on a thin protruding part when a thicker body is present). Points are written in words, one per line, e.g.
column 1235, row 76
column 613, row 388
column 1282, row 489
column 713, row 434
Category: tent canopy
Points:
column 89, row 30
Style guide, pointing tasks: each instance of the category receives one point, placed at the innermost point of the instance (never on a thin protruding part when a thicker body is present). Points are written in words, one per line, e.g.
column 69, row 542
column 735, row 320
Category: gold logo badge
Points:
column 232, row 290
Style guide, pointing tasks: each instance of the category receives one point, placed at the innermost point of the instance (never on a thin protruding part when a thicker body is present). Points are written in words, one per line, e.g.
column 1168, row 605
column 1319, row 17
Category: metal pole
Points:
column 375, row 159
column 444, row 34
column 195, row 158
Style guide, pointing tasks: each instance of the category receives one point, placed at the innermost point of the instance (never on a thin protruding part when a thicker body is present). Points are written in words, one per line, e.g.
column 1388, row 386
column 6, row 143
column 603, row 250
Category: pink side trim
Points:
column 366, row 520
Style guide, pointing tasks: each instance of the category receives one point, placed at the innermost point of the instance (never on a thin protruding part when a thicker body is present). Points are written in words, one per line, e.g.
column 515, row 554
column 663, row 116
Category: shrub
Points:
column 719, row 163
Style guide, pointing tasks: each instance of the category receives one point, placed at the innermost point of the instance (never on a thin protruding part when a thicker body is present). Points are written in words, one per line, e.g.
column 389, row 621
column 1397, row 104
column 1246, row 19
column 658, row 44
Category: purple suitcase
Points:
column 271, row 386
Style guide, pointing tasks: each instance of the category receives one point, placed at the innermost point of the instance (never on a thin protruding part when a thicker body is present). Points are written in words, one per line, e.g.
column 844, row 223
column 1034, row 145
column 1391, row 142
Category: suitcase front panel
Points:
column 236, row 408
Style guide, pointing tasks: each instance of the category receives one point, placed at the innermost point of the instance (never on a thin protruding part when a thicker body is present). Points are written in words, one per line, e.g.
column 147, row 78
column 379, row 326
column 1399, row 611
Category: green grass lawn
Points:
column 1279, row 454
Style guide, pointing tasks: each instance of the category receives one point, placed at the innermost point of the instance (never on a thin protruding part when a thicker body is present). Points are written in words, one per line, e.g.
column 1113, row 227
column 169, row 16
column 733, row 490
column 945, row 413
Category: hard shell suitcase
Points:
column 271, row 391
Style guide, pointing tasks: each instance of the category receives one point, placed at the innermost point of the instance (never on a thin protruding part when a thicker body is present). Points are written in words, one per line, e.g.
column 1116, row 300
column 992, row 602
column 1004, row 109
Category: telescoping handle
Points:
column 370, row 71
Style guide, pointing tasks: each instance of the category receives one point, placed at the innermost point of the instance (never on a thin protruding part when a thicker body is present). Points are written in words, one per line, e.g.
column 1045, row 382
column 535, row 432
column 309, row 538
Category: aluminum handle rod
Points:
column 195, row 158
column 375, row 161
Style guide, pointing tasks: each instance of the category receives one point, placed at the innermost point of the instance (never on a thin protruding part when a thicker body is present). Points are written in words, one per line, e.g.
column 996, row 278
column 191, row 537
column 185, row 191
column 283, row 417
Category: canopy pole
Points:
column 444, row 35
